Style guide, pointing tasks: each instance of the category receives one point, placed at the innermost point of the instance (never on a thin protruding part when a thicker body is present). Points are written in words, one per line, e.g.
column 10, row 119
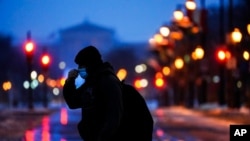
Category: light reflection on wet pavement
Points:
column 60, row 126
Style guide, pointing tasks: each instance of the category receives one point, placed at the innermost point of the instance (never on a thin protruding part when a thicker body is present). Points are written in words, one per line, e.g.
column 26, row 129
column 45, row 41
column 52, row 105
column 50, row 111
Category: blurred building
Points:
column 72, row 39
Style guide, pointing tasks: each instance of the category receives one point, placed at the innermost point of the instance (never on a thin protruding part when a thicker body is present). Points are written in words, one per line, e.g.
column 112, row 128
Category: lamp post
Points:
column 45, row 62
column 247, row 58
column 178, row 14
column 237, row 78
column 191, row 6
column 183, row 37
column 179, row 82
column 163, row 45
column 29, row 51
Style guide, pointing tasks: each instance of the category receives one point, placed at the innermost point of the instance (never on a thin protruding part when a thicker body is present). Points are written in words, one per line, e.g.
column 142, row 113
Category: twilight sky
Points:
column 132, row 20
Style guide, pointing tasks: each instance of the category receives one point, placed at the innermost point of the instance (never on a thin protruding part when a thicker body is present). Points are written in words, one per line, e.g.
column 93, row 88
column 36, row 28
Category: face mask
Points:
column 83, row 72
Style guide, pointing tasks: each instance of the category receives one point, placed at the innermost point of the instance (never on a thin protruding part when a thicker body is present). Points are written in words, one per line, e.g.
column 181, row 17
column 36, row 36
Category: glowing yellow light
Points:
column 166, row 71
column 246, row 55
column 194, row 56
column 62, row 81
column 159, row 82
column 179, row 63
column 7, row 86
column 178, row 15
column 122, row 74
column 199, row 52
column 40, row 78
column 190, row 4
column 164, row 31
column 158, row 38
column 137, row 83
column 236, row 35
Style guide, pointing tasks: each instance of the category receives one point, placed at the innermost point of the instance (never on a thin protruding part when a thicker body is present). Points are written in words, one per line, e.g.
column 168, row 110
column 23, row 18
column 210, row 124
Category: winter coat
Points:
column 100, row 99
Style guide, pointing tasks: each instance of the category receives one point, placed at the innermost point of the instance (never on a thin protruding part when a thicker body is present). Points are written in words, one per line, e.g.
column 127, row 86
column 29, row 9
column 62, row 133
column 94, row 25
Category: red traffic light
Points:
column 29, row 48
column 45, row 60
column 222, row 55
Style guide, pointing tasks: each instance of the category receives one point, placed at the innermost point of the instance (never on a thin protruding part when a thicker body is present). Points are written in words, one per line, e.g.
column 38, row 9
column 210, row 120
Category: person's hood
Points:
column 89, row 57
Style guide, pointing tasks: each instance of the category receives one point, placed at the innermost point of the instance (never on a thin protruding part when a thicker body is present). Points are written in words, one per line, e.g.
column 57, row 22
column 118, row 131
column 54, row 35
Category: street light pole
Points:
column 45, row 62
column 222, row 70
column 29, row 50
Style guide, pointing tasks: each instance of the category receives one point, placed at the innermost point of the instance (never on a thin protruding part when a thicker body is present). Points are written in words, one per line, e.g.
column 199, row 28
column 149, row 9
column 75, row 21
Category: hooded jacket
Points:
column 100, row 99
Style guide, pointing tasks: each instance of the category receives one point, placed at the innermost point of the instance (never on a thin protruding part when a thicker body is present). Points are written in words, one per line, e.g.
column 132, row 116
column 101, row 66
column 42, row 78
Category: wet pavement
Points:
column 59, row 126
column 171, row 124
column 62, row 126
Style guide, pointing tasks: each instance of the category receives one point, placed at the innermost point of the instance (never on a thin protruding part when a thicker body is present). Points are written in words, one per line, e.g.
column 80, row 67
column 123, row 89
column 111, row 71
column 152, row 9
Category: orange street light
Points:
column 198, row 53
column 236, row 35
column 190, row 5
column 7, row 86
column 122, row 74
column 178, row 15
column 179, row 63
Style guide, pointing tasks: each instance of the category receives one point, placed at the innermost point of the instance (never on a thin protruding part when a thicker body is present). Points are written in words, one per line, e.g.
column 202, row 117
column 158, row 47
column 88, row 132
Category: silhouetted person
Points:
column 100, row 97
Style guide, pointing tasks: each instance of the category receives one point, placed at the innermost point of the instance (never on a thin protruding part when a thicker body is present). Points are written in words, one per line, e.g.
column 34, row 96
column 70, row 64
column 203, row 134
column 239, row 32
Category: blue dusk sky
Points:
column 132, row 20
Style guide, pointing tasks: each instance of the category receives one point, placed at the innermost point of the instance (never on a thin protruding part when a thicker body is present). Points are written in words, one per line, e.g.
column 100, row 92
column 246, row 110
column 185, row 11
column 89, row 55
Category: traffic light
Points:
column 45, row 60
column 223, row 55
column 29, row 48
column 159, row 82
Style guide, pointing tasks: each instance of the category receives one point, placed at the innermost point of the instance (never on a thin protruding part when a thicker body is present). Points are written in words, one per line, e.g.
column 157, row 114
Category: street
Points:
column 60, row 126
column 171, row 124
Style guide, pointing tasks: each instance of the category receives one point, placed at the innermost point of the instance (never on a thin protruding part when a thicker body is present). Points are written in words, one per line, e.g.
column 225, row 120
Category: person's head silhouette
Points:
column 89, row 57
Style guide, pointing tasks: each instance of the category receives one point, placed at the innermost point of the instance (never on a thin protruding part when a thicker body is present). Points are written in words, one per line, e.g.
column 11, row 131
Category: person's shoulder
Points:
column 109, row 75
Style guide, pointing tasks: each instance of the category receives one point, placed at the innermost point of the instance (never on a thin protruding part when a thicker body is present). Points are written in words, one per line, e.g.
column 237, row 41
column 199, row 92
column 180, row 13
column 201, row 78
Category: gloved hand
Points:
column 72, row 74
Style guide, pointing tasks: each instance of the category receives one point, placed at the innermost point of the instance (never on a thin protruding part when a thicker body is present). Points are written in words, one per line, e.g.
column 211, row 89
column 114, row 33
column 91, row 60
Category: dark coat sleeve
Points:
column 71, row 95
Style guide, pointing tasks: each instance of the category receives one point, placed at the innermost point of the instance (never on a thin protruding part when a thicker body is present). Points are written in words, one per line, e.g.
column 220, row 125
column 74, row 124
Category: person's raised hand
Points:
column 72, row 74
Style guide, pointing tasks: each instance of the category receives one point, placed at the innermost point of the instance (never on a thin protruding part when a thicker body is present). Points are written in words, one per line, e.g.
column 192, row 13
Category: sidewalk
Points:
column 238, row 116
column 233, row 116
